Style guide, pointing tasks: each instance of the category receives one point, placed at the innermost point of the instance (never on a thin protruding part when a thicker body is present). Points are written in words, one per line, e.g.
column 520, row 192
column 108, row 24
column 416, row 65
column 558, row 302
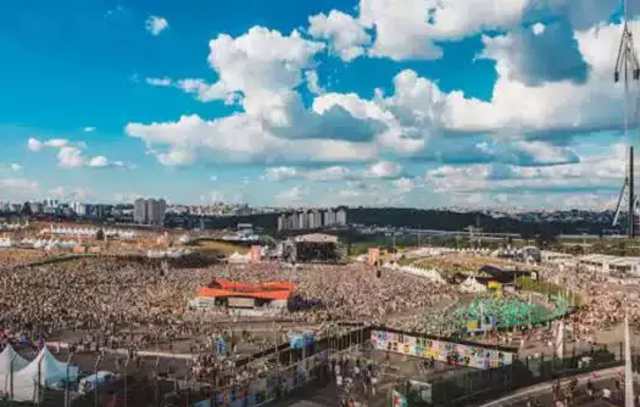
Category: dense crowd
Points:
column 121, row 302
column 118, row 302
column 348, row 293
column 20, row 257
column 106, row 301
column 604, row 300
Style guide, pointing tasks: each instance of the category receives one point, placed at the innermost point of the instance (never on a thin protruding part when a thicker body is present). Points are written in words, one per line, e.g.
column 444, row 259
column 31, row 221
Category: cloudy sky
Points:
column 425, row 103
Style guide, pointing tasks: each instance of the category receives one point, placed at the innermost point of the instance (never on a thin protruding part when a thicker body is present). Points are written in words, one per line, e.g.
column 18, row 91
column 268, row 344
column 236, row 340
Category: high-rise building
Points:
column 312, row 219
column 156, row 209
column 149, row 211
column 315, row 219
column 329, row 217
column 140, row 211
column 37, row 208
column 79, row 208
column 51, row 203
column 341, row 217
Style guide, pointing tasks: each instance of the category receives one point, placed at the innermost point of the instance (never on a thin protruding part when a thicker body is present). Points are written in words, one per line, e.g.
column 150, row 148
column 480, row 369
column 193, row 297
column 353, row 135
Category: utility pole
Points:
column 632, row 196
column 11, row 376
column 67, row 400
column 95, row 386
column 628, row 371
column 156, row 390
column 126, row 373
column 39, row 387
column 187, row 377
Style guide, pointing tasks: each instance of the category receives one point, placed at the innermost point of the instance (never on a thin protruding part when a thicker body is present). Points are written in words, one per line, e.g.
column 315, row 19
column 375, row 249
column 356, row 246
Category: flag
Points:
column 398, row 400
column 559, row 348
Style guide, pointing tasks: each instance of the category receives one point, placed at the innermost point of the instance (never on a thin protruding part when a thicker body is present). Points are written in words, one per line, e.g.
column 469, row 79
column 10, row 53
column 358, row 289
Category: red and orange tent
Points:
column 220, row 288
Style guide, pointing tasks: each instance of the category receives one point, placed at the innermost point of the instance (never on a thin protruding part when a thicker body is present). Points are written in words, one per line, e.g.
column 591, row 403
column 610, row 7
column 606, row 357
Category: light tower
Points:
column 627, row 69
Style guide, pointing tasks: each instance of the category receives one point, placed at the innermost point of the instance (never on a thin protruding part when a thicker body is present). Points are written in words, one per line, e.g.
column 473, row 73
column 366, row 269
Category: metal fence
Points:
column 296, row 368
column 475, row 387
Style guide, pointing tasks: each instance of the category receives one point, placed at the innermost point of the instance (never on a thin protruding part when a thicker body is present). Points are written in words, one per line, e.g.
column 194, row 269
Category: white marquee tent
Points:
column 52, row 374
column 471, row 286
column 237, row 258
column 10, row 361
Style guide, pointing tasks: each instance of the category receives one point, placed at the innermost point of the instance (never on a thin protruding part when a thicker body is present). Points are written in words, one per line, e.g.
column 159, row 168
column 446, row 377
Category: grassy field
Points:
column 548, row 288
column 206, row 246
column 457, row 263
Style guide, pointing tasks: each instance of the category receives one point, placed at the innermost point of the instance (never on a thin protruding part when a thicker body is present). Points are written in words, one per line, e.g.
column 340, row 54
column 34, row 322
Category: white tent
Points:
column 430, row 274
column 237, row 258
column 471, row 286
column 10, row 361
column 51, row 372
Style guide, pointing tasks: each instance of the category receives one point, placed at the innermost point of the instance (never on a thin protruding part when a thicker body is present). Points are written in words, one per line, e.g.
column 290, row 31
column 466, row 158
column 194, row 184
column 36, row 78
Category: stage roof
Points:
column 275, row 290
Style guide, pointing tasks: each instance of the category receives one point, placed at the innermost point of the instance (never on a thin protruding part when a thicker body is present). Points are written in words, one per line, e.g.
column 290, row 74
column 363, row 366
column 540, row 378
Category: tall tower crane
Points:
column 627, row 69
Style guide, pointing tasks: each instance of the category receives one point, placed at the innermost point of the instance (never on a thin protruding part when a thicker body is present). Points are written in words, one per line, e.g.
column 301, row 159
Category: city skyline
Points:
column 324, row 104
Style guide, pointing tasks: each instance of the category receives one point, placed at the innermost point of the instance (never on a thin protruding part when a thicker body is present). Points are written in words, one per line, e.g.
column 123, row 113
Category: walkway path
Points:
column 546, row 388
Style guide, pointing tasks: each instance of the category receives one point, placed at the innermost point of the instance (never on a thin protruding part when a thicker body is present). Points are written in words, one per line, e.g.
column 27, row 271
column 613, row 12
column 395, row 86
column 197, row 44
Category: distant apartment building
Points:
column 51, row 203
column 79, row 208
column 341, row 217
column 315, row 219
column 312, row 219
column 98, row 211
column 329, row 217
column 140, row 211
column 149, row 211
column 37, row 207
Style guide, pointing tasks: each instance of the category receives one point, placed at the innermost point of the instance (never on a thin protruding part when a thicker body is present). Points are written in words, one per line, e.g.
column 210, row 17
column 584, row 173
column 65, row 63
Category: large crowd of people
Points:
column 346, row 292
column 103, row 301
column 125, row 302
column 14, row 257
column 137, row 303
column 603, row 301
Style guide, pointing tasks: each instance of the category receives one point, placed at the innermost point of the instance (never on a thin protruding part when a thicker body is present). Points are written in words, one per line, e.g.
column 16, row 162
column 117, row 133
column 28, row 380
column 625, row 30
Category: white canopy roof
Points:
column 10, row 361
column 46, row 367
column 238, row 258
column 471, row 285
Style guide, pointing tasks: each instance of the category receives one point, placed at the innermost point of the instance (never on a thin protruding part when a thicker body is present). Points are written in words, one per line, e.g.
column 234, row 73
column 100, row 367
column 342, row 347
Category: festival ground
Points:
column 114, row 306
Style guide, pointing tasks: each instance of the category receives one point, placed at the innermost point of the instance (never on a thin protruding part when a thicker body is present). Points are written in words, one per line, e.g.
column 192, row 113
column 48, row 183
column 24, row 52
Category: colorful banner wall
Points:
column 449, row 352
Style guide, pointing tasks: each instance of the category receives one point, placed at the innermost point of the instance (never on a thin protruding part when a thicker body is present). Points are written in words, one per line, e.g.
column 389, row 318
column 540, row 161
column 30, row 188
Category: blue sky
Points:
column 472, row 103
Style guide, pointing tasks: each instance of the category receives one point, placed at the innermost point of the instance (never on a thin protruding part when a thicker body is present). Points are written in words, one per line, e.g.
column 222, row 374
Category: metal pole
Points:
column 277, row 353
column 156, row 390
column 628, row 372
column 187, row 378
column 95, row 387
column 11, row 375
column 214, row 399
column 67, row 402
column 188, row 389
column 39, row 380
column 632, row 226
column 126, row 371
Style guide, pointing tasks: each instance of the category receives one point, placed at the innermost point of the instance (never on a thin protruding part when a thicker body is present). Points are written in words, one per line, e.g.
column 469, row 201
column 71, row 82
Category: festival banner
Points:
column 447, row 352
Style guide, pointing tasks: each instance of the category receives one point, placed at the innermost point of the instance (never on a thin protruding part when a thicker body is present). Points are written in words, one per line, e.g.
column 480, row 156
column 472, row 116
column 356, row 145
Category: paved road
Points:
column 543, row 392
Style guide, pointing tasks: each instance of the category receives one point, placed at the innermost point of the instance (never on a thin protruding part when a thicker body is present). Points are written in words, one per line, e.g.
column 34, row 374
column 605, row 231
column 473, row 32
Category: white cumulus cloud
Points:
column 156, row 24
column 19, row 188
column 347, row 37
column 409, row 29
column 163, row 82
column 384, row 169
column 71, row 155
